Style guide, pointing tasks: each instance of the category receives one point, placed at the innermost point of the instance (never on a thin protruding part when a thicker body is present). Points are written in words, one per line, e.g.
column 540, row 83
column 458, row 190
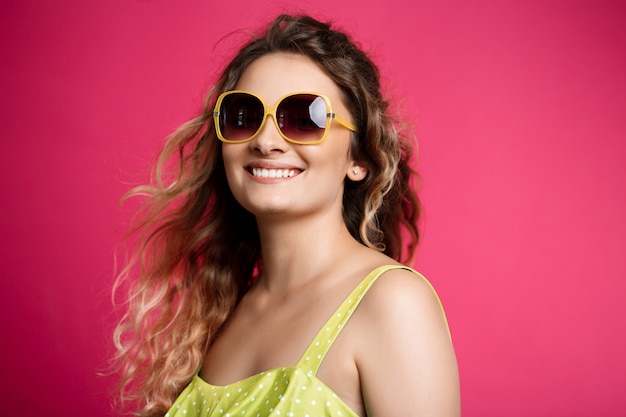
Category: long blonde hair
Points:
column 198, row 249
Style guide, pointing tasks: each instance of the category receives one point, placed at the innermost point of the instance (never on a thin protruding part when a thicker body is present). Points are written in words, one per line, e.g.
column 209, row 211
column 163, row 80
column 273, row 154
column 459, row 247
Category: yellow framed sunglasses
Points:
column 303, row 118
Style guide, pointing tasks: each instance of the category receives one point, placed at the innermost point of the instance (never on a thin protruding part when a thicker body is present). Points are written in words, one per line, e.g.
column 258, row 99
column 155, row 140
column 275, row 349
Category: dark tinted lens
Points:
column 302, row 117
column 240, row 116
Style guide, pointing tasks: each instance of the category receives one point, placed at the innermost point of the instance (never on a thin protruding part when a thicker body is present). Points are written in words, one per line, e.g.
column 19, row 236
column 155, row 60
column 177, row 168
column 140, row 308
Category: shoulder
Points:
column 401, row 294
column 404, row 354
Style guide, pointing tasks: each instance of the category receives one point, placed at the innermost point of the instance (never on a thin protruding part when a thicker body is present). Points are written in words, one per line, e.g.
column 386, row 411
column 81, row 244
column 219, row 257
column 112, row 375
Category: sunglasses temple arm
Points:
column 342, row 121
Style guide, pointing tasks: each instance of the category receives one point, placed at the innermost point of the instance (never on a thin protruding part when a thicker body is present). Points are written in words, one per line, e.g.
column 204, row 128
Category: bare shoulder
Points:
column 401, row 294
column 404, row 353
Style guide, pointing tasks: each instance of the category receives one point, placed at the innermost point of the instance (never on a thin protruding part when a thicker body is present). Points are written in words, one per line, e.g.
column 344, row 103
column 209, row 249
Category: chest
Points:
column 257, row 341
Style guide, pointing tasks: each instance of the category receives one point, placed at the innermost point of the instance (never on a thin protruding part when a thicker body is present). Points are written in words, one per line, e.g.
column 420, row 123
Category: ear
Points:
column 357, row 171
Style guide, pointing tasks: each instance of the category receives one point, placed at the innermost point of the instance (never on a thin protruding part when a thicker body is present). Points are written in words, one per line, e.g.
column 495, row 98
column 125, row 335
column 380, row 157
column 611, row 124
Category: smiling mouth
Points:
column 273, row 172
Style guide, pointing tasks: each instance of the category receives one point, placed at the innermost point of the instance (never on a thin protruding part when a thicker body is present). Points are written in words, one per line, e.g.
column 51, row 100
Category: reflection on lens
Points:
column 317, row 111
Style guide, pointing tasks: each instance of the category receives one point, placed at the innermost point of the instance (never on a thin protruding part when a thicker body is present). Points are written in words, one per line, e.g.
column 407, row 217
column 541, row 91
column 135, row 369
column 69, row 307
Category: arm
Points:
column 406, row 361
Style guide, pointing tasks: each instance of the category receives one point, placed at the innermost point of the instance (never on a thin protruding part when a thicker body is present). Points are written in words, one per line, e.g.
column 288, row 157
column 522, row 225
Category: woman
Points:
column 289, row 197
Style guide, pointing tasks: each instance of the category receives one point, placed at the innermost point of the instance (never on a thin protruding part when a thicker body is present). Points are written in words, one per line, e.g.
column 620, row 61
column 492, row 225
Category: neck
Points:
column 296, row 251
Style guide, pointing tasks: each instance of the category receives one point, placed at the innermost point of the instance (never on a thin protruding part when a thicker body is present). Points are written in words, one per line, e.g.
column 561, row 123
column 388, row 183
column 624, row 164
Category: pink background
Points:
column 520, row 111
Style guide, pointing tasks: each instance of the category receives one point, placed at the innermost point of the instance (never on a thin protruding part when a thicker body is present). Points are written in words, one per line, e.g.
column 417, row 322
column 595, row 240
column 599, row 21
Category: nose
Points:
column 269, row 140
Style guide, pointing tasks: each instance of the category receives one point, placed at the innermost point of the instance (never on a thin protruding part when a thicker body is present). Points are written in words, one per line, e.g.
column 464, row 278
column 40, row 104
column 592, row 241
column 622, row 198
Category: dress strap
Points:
column 315, row 353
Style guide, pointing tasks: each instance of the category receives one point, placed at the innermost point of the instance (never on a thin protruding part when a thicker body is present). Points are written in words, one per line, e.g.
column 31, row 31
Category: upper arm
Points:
column 406, row 361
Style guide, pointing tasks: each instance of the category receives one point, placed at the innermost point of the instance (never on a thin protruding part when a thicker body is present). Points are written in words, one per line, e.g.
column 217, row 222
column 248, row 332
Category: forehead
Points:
column 275, row 75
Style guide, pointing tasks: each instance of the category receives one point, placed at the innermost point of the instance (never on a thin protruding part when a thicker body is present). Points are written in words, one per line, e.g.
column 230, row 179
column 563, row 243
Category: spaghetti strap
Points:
column 319, row 347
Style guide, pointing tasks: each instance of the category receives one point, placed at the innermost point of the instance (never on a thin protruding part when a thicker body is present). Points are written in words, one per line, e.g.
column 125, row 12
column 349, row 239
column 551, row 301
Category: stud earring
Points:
column 355, row 171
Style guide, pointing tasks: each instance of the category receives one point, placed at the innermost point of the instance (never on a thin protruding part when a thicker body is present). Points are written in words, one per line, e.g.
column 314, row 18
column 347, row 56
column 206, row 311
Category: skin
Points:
column 394, row 357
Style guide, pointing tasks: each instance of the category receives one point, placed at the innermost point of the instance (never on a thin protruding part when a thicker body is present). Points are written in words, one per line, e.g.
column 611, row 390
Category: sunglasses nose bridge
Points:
column 270, row 111
column 272, row 139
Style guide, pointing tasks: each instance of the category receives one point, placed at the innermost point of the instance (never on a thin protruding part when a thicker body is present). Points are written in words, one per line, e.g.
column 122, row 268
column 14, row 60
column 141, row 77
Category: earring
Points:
column 355, row 171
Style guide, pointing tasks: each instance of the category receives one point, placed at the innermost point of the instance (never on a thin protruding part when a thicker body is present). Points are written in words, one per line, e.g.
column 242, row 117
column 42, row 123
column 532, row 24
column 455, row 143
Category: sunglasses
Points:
column 302, row 118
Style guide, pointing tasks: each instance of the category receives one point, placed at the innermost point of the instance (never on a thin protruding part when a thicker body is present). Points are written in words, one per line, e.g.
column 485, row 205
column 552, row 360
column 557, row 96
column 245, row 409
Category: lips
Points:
column 269, row 171
column 273, row 172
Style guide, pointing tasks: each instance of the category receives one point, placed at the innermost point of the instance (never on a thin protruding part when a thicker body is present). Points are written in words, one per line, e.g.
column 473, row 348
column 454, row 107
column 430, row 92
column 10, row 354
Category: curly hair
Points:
column 198, row 250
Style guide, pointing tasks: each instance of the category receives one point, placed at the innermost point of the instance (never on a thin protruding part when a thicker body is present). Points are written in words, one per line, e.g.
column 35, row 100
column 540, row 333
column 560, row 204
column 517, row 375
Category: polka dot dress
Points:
column 284, row 392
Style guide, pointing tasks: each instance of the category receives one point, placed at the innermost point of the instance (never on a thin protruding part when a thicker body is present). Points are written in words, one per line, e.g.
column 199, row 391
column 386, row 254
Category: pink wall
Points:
column 521, row 115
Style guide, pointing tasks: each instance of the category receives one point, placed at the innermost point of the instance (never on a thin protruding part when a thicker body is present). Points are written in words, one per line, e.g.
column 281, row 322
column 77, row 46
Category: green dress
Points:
column 292, row 391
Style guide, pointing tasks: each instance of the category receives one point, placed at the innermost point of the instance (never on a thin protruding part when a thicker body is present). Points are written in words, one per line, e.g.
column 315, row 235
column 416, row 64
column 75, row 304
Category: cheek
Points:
column 338, row 157
column 233, row 171
column 229, row 157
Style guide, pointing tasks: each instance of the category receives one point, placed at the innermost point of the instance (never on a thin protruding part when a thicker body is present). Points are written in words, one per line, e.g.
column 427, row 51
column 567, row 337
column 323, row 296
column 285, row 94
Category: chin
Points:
column 268, row 208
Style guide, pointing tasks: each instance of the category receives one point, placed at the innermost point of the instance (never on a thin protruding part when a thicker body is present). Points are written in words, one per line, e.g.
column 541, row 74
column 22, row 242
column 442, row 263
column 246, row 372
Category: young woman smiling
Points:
column 268, row 278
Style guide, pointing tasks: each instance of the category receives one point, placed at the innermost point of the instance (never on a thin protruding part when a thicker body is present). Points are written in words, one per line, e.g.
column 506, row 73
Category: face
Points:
column 270, row 176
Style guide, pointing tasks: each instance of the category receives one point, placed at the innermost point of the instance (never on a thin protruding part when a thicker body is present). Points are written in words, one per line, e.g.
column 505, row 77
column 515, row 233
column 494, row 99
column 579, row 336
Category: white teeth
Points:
column 273, row 173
